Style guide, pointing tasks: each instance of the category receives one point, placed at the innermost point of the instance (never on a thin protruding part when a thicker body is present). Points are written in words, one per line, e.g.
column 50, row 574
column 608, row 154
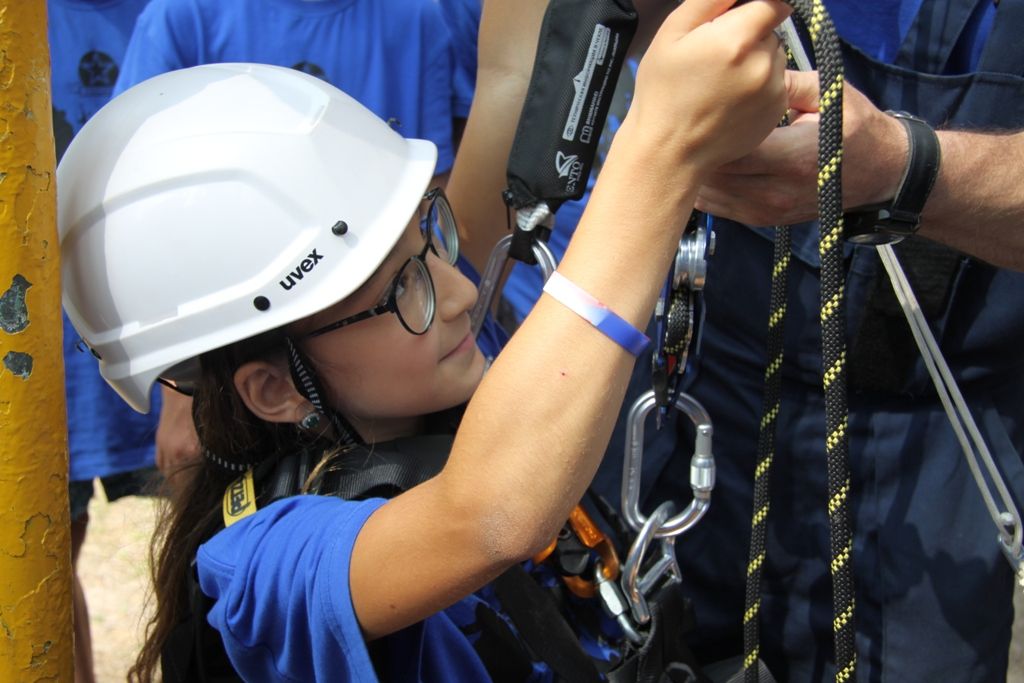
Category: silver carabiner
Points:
column 492, row 276
column 702, row 465
column 664, row 569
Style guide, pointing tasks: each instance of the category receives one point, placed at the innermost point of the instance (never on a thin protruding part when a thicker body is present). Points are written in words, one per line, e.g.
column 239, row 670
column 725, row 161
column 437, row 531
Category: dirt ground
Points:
column 113, row 571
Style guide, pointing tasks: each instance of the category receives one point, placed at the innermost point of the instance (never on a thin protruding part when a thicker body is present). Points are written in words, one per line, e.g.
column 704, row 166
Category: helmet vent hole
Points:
column 340, row 228
column 261, row 303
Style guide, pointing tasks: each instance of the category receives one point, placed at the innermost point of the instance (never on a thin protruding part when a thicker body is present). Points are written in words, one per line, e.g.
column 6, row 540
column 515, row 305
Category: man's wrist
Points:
column 900, row 217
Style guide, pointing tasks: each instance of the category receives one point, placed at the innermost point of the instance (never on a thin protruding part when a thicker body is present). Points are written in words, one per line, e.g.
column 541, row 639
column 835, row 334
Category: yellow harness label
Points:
column 239, row 499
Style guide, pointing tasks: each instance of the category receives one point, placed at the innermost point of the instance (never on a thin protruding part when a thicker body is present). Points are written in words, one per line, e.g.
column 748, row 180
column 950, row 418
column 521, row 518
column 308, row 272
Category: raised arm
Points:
column 508, row 41
column 537, row 427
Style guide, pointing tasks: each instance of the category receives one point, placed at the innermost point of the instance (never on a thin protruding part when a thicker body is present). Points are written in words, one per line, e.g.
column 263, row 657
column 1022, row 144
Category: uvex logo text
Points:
column 308, row 264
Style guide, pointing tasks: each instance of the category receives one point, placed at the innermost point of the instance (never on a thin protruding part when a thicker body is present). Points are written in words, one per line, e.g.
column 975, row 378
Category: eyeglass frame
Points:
column 390, row 304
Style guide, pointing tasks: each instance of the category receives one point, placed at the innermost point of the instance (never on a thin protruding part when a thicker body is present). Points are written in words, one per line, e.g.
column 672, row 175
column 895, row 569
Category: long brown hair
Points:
column 191, row 513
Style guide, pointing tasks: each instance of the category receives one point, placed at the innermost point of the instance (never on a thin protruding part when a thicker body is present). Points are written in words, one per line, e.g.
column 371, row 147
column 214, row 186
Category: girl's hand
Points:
column 712, row 84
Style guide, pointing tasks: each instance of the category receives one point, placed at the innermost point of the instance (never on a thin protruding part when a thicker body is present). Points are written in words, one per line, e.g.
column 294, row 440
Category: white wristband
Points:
column 596, row 313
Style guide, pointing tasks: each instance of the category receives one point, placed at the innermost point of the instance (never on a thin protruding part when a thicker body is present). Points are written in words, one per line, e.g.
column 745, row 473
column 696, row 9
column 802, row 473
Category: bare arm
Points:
column 976, row 206
column 537, row 427
column 508, row 41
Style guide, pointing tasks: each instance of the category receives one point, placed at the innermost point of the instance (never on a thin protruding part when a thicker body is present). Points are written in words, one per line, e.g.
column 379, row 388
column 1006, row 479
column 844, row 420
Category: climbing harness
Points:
column 194, row 651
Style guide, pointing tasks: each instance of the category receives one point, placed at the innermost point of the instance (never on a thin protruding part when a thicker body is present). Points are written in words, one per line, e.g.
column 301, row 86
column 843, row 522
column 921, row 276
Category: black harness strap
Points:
column 664, row 657
column 384, row 472
column 542, row 627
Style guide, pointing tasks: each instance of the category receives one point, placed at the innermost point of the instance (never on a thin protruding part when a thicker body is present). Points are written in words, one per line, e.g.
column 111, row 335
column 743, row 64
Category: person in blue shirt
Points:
column 316, row 308
column 106, row 440
column 933, row 589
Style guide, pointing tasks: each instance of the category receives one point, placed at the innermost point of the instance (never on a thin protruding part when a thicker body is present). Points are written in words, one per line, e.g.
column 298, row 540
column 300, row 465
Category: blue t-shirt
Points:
column 393, row 56
column 280, row 584
column 87, row 42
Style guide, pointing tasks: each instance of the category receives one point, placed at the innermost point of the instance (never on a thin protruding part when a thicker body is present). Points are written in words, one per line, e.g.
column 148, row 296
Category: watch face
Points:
column 873, row 226
column 874, row 239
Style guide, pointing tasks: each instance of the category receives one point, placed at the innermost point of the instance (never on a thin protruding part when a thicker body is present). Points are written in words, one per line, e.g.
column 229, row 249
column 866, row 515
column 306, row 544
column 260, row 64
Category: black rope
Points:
column 765, row 454
column 833, row 322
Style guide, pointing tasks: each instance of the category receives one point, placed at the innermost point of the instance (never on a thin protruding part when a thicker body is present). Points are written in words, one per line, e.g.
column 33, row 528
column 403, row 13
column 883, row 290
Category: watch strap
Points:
column 923, row 159
column 901, row 217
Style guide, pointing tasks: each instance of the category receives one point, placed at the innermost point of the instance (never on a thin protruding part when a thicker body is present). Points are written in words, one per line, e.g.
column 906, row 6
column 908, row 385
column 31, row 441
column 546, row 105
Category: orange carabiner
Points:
column 591, row 536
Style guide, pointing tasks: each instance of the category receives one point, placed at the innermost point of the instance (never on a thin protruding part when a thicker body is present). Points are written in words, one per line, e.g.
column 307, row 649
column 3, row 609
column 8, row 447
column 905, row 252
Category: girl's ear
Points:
column 268, row 392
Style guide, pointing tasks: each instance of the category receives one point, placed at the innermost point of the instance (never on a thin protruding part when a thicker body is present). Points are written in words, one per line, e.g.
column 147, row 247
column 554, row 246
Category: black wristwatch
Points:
column 892, row 221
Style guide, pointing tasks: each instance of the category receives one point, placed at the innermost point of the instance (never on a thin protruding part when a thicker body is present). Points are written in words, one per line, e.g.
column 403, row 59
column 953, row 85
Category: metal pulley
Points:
column 676, row 312
column 691, row 265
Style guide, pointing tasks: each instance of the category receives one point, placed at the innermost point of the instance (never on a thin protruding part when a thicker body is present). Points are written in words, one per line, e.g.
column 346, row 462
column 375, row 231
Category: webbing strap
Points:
column 664, row 657
column 542, row 627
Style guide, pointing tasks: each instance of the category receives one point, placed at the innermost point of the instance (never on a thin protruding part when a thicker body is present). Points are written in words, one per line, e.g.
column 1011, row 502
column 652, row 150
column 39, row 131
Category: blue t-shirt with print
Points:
column 393, row 56
column 88, row 39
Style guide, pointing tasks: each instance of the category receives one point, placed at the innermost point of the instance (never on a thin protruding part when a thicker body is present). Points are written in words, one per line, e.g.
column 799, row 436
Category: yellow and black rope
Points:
column 833, row 320
column 765, row 454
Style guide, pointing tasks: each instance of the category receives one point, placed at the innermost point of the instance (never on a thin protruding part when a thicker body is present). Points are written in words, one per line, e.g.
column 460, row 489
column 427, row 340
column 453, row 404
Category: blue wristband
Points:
column 596, row 313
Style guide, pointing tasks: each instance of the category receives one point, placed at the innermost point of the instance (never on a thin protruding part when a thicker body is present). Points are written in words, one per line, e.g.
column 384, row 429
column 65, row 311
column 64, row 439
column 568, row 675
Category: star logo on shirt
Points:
column 97, row 70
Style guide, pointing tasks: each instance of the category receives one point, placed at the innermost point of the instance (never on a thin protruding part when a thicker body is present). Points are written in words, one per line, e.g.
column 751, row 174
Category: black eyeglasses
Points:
column 411, row 296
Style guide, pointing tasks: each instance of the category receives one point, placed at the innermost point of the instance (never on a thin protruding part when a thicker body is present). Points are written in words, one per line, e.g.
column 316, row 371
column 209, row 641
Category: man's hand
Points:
column 776, row 184
column 177, row 444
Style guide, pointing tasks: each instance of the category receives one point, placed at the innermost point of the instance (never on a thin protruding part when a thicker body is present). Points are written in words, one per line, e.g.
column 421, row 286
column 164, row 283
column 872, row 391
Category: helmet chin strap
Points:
column 309, row 386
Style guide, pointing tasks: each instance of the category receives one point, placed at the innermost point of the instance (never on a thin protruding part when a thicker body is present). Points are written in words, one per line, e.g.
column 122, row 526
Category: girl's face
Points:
column 379, row 375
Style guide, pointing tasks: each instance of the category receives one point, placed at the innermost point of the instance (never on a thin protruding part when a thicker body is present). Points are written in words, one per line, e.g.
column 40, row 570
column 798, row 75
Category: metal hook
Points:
column 492, row 275
column 636, row 587
column 702, row 465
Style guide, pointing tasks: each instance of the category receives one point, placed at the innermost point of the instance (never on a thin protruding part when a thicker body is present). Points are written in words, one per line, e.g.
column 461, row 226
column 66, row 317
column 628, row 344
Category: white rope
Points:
column 1008, row 521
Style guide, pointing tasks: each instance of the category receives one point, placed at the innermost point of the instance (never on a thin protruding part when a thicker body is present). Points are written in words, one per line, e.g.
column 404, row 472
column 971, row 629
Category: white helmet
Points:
column 208, row 205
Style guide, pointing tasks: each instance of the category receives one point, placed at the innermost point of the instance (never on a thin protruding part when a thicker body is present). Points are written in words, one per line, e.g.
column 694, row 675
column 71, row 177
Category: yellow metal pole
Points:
column 35, row 557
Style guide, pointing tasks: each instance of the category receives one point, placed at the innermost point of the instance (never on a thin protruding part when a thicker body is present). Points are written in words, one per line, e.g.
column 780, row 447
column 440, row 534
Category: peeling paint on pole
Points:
column 35, row 559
